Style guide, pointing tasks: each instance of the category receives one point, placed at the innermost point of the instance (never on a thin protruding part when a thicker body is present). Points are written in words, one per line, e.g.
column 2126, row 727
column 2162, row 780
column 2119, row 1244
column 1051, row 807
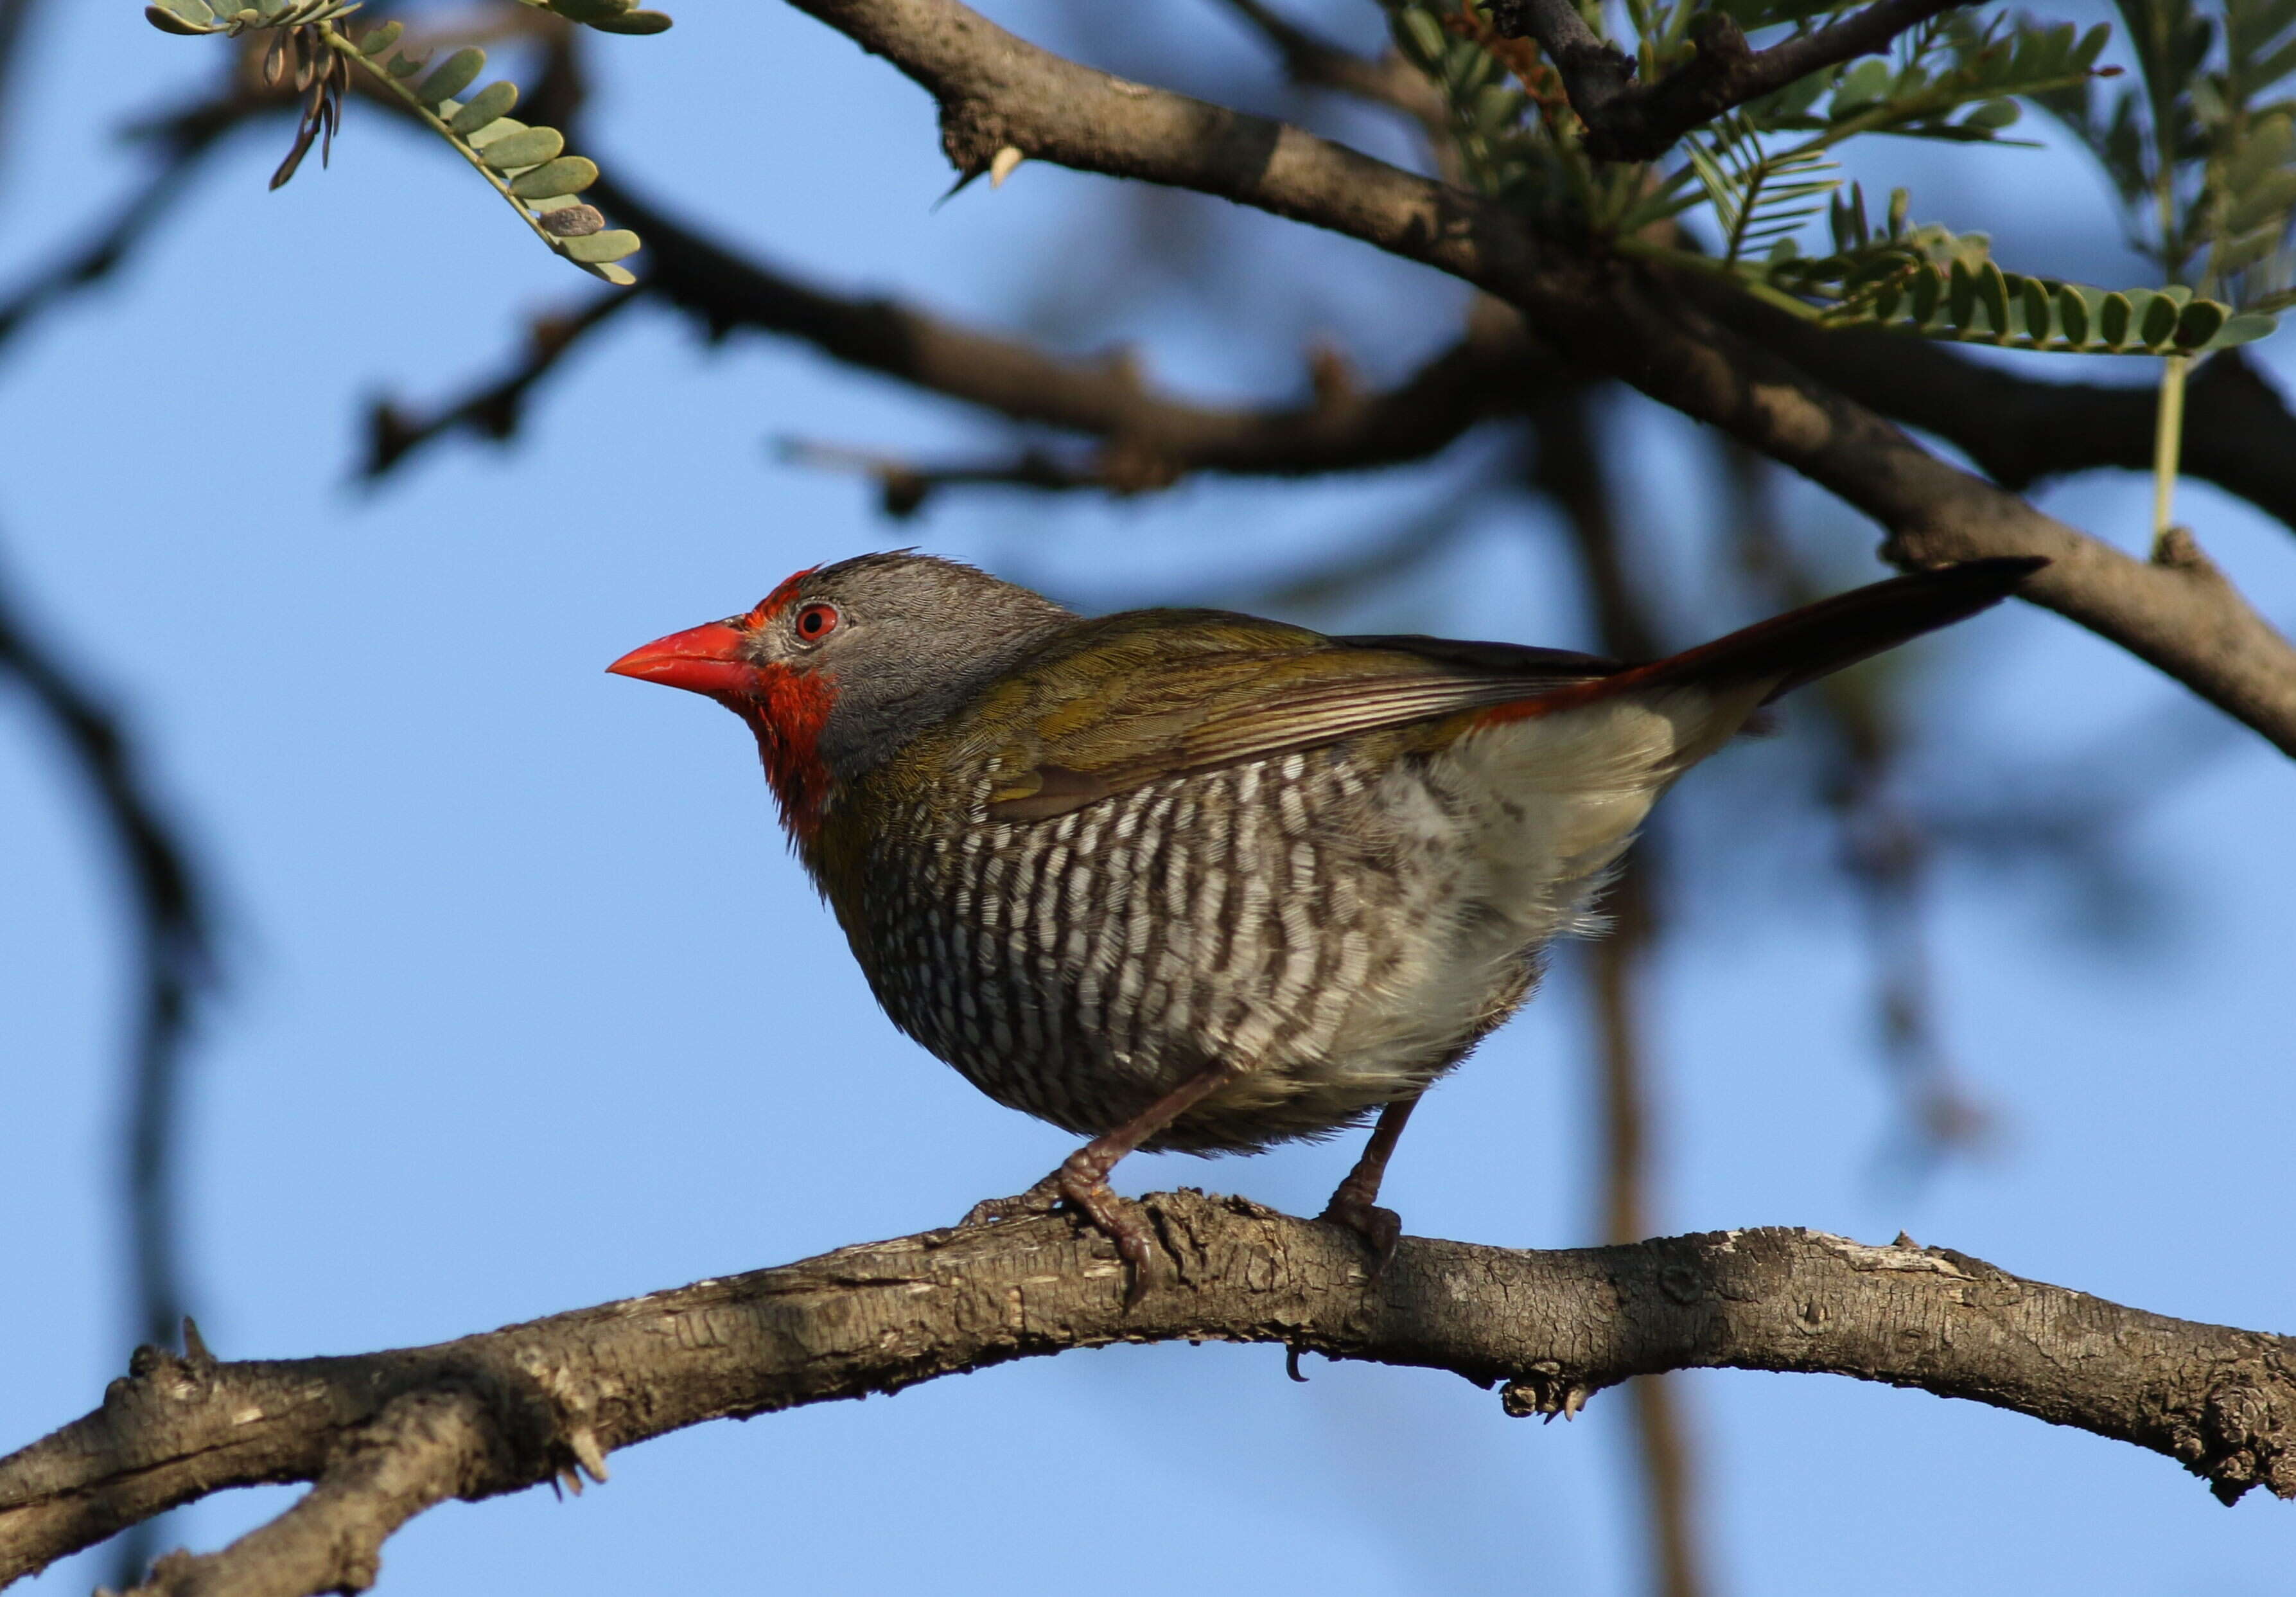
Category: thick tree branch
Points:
column 997, row 91
column 1628, row 120
column 387, row 1434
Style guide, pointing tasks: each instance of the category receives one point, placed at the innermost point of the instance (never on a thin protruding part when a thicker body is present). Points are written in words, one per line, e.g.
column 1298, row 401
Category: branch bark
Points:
column 387, row 1434
column 1626, row 121
column 997, row 92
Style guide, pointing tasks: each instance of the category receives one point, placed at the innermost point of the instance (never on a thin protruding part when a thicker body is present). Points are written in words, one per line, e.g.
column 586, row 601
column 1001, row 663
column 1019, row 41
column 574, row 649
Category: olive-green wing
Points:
column 1156, row 694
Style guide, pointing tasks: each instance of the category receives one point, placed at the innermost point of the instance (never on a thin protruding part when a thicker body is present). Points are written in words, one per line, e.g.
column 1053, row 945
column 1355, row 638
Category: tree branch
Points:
column 1154, row 438
column 387, row 1434
column 1628, row 120
column 1316, row 62
column 997, row 91
column 2238, row 431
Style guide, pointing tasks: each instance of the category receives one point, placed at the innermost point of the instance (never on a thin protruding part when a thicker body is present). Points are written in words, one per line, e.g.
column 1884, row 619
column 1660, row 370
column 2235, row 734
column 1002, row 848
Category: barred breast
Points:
column 1309, row 916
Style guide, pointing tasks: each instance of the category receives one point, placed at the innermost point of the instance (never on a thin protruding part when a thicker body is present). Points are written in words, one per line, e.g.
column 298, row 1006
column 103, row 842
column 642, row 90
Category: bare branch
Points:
column 176, row 954
column 1154, row 438
column 387, row 1432
column 495, row 410
column 1628, row 120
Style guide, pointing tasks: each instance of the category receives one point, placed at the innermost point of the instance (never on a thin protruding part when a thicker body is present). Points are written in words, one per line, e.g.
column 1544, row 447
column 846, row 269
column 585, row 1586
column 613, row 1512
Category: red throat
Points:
column 786, row 708
column 787, row 712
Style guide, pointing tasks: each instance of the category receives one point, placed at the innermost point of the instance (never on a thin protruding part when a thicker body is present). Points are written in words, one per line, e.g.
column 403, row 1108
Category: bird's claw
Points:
column 1381, row 1229
column 1080, row 1190
column 1042, row 1199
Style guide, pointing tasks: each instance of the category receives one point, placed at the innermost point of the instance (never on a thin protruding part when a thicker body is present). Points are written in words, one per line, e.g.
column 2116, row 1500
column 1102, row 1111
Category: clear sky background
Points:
column 531, row 1009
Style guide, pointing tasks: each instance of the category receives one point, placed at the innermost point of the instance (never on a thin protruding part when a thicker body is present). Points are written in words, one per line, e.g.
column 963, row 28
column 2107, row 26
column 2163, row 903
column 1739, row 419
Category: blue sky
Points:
column 486, row 1057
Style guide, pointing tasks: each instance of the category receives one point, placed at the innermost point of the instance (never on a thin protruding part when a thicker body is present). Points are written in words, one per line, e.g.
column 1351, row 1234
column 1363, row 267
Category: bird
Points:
column 1190, row 879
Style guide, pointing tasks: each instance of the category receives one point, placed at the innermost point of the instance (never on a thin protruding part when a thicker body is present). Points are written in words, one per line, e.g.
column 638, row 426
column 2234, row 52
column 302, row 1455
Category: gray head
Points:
column 840, row 665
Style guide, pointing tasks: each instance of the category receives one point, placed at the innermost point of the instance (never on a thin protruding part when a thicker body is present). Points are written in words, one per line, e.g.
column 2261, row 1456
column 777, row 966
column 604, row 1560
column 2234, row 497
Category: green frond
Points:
column 523, row 164
column 1934, row 283
column 1759, row 197
column 526, row 165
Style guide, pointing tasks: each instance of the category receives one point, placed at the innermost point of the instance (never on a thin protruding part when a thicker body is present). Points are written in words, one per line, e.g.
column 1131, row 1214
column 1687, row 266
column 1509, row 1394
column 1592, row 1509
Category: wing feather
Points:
column 1106, row 720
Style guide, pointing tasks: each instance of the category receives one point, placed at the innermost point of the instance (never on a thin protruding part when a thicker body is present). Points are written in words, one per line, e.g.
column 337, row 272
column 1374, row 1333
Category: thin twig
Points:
column 1626, row 121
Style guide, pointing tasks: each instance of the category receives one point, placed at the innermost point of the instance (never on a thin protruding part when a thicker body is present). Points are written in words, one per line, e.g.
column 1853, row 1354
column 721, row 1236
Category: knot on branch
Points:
column 2239, row 1440
column 972, row 133
column 1547, row 1389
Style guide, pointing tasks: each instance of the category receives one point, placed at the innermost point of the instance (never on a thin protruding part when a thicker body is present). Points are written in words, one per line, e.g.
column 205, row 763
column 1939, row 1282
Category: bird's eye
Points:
column 817, row 622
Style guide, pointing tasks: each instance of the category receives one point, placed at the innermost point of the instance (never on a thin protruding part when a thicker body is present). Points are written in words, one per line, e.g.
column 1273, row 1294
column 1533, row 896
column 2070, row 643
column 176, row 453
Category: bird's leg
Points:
column 1353, row 1205
column 1081, row 1181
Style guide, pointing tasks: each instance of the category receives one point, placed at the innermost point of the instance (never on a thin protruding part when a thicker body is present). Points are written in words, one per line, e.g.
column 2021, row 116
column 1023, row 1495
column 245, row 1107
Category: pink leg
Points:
column 1355, row 1205
column 1081, row 1181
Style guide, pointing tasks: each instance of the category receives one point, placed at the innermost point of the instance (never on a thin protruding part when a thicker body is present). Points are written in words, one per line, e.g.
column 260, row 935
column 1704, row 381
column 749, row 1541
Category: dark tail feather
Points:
column 1804, row 644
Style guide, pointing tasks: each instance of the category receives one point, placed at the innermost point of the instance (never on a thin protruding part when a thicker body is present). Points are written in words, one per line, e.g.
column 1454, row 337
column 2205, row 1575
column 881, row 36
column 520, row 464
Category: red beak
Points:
column 701, row 660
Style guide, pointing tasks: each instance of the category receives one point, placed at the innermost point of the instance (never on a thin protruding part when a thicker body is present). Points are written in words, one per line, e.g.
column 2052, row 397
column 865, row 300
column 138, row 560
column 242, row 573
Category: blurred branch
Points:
column 494, row 410
column 1568, row 467
column 385, row 1435
column 1155, row 439
column 1628, row 120
column 184, row 141
column 1316, row 62
column 176, row 954
column 903, row 486
column 998, row 92
column 1886, row 849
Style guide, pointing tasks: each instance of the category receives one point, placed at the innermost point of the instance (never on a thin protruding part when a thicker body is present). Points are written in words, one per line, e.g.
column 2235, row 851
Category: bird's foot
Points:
column 1381, row 1229
column 1079, row 1185
column 1042, row 1199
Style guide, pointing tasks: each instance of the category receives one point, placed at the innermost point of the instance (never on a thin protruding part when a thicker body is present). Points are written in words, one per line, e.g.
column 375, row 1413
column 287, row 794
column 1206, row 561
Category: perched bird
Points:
column 1190, row 880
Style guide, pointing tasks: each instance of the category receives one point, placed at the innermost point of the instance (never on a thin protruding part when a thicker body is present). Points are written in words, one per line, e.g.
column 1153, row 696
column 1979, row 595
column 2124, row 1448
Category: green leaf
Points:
column 181, row 16
column 636, row 22
column 168, row 19
column 598, row 248
column 1993, row 294
column 376, row 40
column 454, row 75
column 527, row 147
column 2074, row 316
column 567, row 175
column 2037, row 305
column 590, row 11
column 1422, row 37
column 2158, row 320
column 489, row 104
column 2114, row 318
column 2200, row 321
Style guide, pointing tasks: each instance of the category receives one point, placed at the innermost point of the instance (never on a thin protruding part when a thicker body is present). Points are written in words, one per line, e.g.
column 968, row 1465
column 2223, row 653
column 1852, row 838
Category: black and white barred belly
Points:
column 1277, row 915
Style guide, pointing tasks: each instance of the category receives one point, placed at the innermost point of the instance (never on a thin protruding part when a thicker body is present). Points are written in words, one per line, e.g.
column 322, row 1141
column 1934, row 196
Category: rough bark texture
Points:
column 997, row 92
column 387, row 1435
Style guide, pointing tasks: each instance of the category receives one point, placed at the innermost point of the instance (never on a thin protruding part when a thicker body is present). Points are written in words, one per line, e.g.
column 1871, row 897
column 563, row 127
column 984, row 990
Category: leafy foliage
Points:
column 1755, row 180
column 2200, row 153
column 1928, row 280
column 527, row 165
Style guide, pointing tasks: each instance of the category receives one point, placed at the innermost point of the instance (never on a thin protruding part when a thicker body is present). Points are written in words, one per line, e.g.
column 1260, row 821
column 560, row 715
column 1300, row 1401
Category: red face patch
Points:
column 787, row 712
column 772, row 606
